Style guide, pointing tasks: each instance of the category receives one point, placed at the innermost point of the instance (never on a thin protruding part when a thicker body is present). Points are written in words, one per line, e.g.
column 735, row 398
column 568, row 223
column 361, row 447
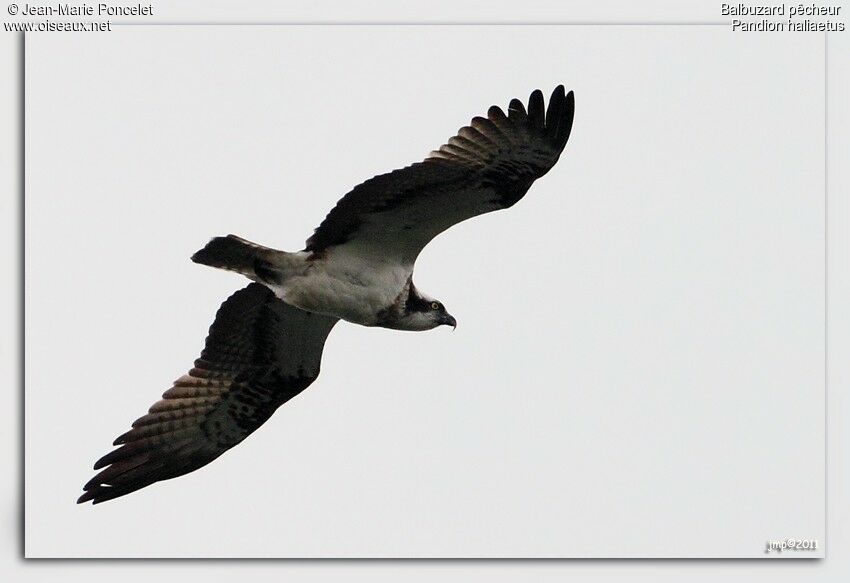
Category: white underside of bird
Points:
column 265, row 344
column 342, row 284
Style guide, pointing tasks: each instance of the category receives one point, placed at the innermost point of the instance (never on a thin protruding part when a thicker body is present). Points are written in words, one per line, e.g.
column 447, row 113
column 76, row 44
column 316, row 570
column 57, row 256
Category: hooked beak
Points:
column 448, row 320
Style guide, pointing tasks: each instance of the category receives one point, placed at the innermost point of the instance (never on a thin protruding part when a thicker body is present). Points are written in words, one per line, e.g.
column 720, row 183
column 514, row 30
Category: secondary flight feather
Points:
column 265, row 344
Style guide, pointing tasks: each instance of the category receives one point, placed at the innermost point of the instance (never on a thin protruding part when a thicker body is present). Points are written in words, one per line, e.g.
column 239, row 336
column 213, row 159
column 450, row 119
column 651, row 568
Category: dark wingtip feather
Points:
column 536, row 109
column 569, row 115
column 516, row 111
column 558, row 95
column 102, row 493
column 104, row 461
column 554, row 115
column 495, row 112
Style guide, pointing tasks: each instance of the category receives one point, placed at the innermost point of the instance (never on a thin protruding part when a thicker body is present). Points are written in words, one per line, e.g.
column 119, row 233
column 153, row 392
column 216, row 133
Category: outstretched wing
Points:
column 489, row 165
column 260, row 353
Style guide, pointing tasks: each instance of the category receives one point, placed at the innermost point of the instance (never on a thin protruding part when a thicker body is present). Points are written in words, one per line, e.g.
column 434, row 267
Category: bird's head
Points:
column 424, row 313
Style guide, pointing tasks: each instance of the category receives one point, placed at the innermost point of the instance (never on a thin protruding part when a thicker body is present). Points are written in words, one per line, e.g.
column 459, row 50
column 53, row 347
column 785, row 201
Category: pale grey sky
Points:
column 639, row 355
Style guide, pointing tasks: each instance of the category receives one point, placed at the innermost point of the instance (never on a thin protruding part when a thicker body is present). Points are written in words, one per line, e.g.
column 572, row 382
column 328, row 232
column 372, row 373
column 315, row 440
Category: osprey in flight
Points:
column 266, row 342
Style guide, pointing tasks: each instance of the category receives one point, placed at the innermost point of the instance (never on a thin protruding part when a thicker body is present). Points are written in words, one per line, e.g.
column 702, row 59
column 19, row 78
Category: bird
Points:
column 265, row 344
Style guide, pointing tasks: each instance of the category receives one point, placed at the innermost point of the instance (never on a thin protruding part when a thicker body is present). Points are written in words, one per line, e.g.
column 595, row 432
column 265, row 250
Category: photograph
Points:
column 534, row 290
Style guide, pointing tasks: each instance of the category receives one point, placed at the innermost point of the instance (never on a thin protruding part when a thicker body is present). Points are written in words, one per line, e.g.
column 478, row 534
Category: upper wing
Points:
column 488, row 165
column 260, row 353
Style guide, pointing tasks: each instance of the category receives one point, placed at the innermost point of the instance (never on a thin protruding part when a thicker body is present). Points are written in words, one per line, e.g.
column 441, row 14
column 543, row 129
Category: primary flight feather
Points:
column 265, row 344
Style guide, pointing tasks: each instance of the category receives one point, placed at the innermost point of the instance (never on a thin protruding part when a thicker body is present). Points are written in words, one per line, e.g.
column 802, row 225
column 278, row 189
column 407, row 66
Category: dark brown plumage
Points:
column 260, row 353
column 489, row 165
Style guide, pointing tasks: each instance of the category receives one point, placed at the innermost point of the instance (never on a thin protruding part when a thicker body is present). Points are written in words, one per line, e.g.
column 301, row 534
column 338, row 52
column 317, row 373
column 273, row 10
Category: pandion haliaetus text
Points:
column 266, row 342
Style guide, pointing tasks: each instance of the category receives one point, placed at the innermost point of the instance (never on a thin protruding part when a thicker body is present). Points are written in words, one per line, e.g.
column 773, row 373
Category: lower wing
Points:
column 260, row 353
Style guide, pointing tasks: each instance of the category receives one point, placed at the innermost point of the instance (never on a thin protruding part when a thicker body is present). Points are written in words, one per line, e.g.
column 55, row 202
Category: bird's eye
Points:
column 435, row 305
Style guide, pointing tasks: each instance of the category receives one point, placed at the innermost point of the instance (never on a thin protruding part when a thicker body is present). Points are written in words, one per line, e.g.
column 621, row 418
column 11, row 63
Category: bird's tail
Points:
column 250, row 259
